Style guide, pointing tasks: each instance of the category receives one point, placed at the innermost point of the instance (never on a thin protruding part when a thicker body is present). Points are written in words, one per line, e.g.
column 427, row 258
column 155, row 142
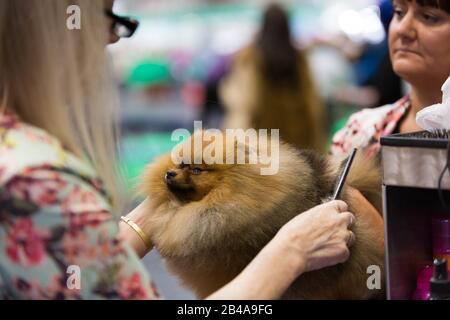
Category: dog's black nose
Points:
column 170, row 175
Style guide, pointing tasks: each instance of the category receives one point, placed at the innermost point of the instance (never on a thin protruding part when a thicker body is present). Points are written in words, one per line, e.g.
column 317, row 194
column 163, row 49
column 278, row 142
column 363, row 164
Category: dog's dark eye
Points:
column 196, row 170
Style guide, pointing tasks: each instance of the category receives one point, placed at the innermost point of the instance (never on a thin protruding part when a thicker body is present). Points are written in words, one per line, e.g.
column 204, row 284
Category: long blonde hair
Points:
column 254, row 101
column 59, row 79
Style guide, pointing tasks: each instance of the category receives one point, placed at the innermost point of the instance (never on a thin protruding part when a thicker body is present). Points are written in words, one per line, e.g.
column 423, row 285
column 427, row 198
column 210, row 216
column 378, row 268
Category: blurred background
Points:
column 185, row 63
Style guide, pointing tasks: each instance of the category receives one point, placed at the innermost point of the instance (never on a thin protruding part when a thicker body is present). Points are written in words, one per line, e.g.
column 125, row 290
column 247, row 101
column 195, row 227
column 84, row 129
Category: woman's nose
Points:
column 406, row 27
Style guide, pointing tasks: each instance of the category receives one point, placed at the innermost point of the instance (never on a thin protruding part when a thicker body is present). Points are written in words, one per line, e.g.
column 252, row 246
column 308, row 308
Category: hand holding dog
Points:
column 315, row 239
column 319, row 236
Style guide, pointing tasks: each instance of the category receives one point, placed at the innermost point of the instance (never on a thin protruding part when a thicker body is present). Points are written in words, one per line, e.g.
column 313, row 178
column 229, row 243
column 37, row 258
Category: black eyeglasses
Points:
column 123, row 27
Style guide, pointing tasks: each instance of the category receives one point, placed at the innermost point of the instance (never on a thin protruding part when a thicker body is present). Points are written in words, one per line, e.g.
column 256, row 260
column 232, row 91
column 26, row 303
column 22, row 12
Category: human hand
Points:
column 313, row 240
column 319, row 237
column 130, row 235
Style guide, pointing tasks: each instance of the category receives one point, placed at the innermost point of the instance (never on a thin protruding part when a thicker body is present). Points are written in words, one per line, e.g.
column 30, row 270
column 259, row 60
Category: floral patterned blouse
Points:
column 58, row 238
column 365, row 128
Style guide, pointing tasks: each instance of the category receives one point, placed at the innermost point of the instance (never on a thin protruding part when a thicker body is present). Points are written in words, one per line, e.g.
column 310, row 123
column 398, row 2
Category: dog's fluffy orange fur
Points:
column 210, row 221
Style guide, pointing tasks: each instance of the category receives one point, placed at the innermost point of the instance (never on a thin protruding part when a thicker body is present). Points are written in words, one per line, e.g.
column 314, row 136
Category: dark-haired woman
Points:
column 419, row 46
column 270, row 87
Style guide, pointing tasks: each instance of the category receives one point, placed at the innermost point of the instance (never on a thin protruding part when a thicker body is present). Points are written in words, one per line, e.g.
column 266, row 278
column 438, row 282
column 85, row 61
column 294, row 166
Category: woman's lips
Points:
column 406, row 50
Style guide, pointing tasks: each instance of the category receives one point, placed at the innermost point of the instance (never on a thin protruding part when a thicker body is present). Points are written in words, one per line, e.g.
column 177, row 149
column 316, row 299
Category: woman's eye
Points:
column 196, row 170
column 430, row 18
column 398, row 12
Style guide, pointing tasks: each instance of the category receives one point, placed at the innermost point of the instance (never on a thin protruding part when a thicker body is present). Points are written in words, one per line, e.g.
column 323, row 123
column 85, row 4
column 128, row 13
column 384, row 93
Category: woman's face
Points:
column 419, row 43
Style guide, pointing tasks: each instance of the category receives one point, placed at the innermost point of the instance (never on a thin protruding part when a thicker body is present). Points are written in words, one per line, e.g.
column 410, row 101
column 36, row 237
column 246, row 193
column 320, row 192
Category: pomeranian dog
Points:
column 208, row 221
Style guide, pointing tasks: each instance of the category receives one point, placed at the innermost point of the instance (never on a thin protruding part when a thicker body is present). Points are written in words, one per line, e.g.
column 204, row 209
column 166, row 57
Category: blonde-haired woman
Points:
column 57, row 172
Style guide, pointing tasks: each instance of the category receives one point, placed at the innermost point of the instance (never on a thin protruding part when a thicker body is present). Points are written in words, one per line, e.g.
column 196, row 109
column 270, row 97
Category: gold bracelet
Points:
column 139, row 231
